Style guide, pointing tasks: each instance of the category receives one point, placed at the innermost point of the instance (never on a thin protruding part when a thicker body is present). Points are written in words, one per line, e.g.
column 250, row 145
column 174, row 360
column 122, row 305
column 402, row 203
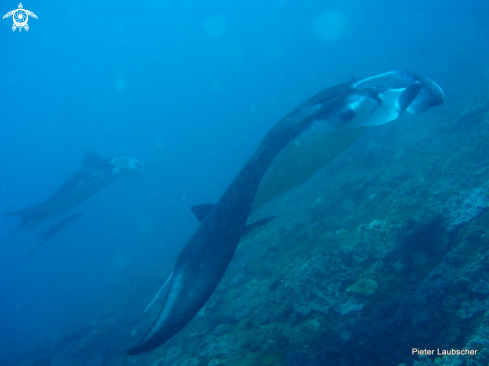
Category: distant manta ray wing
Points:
column 73, row 184
column 53, row 230
column 26, row 214
column 32, row 216
column 92, row 168
column 59, row 226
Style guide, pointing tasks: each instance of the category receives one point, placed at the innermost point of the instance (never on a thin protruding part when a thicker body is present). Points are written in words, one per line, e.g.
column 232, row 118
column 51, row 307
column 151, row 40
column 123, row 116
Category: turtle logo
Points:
column 20, row 17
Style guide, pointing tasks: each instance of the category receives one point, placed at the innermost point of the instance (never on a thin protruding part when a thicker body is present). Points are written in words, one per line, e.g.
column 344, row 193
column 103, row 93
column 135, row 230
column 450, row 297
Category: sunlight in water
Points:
column 216, row 26
column 121, row 260
column 120, row 85
column 330, row 25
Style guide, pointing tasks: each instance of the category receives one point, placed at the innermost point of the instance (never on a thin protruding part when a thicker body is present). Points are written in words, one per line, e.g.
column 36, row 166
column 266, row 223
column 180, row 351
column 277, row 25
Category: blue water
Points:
column 188, row 88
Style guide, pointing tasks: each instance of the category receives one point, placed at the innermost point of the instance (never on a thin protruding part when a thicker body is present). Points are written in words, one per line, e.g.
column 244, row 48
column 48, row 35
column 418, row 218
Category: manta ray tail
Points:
column 32, row 252
column 26, row 216
column 10, row 233
column 22, row 213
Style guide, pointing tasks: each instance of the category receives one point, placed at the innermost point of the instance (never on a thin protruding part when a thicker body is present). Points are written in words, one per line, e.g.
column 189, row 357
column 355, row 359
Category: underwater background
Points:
column 383, row 250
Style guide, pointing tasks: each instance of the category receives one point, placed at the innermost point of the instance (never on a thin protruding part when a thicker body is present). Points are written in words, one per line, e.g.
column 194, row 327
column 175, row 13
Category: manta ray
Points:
column 331, row 120
column 53, row 230
column 94, row 175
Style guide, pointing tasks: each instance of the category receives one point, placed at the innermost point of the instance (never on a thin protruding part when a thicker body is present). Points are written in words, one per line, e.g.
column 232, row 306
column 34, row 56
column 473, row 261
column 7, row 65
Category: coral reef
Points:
column 375, row 239
column 316, row 284
column 465, row 206
column 364, row 287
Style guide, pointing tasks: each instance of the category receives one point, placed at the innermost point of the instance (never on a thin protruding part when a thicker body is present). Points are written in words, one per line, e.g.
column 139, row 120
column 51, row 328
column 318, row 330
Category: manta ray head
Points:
column 127, row 167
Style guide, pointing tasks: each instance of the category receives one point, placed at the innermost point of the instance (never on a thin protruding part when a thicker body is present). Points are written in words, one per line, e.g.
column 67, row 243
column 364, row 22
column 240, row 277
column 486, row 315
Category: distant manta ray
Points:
column 94, row 175
column 53, row 230
column 330, row 121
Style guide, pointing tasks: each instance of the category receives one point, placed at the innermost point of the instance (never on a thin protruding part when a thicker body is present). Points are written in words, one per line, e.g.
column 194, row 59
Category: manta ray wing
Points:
column 92, row 167
column 53, row 230
column 299, row 160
